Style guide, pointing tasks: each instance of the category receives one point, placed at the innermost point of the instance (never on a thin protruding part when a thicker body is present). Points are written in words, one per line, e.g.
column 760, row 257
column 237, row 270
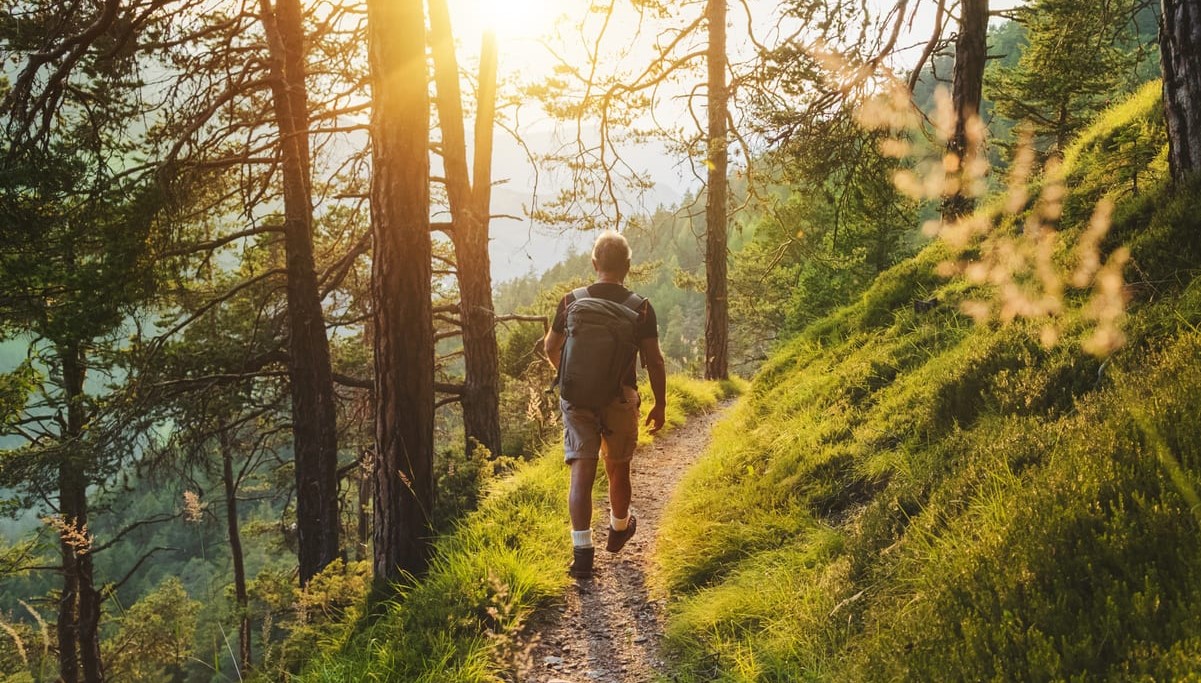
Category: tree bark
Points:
column 363, row 516
column 79, row 606
column 1180, row 52
column 717, row 315
column 235, row 551
column 401, row 272
column 314, row 429
column 470, row 209
column 67, row 626
column 967, row 90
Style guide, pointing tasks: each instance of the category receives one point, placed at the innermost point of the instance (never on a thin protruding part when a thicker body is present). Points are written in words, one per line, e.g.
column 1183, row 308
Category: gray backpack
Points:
column 601, row 348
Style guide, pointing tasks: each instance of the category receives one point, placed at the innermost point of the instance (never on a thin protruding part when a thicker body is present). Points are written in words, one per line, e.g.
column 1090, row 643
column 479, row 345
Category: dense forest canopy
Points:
column 263, row 356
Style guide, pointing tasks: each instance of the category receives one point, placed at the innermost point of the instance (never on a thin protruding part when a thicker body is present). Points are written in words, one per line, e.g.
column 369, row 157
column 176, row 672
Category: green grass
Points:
column 915, row 497
column 500, row 564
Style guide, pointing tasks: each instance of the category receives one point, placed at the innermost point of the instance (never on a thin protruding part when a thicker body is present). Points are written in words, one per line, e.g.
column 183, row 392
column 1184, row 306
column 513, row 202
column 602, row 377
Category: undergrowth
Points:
column 908, row 496
column 500, row 563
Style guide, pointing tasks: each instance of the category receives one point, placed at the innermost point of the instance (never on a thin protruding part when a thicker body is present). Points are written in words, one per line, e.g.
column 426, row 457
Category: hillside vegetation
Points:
column 499, row 564
column 907, row 496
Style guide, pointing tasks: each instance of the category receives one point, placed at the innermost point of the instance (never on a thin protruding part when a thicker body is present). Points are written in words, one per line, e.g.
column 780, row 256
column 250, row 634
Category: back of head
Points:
column 611, row 253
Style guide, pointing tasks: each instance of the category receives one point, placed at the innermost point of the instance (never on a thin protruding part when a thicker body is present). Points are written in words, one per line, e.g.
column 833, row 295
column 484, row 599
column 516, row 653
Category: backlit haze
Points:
column 535, row 35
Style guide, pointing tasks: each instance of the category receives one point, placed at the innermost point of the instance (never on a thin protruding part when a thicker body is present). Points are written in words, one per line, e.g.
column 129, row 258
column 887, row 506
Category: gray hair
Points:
column 611, row 252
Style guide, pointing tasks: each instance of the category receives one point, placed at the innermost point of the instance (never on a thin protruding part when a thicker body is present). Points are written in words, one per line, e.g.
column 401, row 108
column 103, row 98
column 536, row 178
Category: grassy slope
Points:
column 907, row 497
column 502, row 562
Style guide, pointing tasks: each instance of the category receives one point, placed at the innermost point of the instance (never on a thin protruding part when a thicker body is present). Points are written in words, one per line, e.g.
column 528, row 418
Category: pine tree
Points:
column 401, row 270
column 1067, row 73
column 717, row 315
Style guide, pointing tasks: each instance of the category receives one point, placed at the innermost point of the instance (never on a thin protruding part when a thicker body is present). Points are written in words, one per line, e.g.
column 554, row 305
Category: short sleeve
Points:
column 560, row 323
column 648, row 323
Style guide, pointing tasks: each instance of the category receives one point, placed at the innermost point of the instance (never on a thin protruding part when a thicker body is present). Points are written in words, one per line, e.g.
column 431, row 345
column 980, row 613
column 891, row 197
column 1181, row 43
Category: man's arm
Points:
column 554, row 346
column 656, row 370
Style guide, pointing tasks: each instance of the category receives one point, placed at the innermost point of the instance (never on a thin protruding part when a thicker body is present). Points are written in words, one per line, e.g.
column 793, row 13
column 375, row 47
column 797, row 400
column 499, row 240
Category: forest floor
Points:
column 609, row 629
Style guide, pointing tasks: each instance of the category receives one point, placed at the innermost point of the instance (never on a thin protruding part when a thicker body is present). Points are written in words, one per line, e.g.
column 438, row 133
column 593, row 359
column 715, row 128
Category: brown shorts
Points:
column 614, row 432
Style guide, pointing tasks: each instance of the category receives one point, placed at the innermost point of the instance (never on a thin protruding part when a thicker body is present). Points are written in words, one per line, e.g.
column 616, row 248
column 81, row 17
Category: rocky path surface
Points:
column 609, row 630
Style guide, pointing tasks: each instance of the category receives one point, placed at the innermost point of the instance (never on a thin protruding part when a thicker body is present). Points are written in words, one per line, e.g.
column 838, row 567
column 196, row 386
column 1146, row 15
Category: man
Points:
column 613, row 430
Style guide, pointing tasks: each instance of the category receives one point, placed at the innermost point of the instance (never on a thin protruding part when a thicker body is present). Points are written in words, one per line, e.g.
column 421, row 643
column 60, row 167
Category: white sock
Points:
column 582, row 539
column 618, row 524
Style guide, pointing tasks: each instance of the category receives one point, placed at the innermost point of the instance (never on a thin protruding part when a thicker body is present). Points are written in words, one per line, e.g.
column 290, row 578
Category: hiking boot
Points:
column 581, row 562
column 617, row 539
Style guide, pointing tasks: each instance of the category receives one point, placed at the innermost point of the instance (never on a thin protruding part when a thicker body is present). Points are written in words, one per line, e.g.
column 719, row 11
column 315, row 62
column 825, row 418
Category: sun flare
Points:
column 518, row 19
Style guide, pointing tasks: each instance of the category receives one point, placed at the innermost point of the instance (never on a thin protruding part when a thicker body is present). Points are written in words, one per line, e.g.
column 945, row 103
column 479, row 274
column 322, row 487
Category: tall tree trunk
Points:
column 470, row 209
column 717, row 315
column 1180, row 52
column 401, row 272
column 967, row 90
column 79, row 605
column 235, row 551
column 314, row 435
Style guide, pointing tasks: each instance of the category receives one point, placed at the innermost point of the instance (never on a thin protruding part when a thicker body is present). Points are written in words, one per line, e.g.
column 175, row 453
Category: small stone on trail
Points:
column 594, row 673
column 640, row 639
column 553, row 661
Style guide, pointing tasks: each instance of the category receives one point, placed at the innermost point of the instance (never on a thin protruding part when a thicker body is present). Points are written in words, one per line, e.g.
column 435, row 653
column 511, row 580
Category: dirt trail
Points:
column 609, row 630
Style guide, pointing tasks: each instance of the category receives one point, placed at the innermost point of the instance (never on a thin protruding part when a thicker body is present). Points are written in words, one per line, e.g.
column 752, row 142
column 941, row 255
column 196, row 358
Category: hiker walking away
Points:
column 598, row 333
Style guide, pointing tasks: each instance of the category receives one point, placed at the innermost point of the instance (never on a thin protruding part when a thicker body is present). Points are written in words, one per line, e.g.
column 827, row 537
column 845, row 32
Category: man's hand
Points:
column 656, row 418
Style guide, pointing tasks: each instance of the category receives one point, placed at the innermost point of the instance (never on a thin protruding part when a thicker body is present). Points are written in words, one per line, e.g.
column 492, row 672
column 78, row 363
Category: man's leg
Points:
column 579, row 505
column 619, row 488
column 579, row 496
column 618, row 447
column 581, row 442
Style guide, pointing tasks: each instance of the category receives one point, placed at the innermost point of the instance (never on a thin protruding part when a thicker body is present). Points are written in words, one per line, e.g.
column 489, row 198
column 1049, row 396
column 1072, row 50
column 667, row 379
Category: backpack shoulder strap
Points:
column 634, row 302
column 580, row 293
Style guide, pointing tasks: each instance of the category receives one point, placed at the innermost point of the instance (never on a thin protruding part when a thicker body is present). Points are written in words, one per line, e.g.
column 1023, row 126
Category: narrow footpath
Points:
column 609, row 630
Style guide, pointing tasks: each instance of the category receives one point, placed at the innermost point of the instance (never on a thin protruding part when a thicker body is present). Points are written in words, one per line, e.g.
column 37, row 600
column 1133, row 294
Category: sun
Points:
column 518, row 19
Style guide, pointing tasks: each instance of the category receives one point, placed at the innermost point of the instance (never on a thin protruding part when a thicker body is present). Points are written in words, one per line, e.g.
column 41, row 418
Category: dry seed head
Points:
column 950, row 163
column 948, row 269
column 193, row 508
column 1019, row 177
column 1049, row 336
column 74, row 535
column 976, row 310
column 976, row 173
column 976, row 272
column 1021, row 269
column 16, row 637
column 1088, row 252
column 1048, row 274
column 1108, row 305
column 45, row 630
column 944, row 114
column 977, row 131
column 908, row 183
column 896, row 148
column 1052, row 204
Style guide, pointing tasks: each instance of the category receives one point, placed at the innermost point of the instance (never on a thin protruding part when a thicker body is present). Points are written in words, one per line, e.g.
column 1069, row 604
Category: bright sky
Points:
column 523, row 25
column 520, row 24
